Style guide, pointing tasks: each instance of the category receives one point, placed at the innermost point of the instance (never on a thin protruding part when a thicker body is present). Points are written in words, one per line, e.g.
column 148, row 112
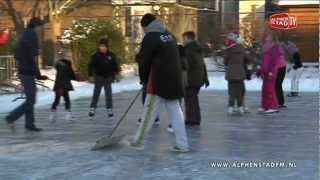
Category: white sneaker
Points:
column 241, row 110
column 246, row 110
column 170, row 129
column 271, row 111
column 261, row 110
column 231, row 110
column 68, row 116
column 180, row 149
column 53, row 116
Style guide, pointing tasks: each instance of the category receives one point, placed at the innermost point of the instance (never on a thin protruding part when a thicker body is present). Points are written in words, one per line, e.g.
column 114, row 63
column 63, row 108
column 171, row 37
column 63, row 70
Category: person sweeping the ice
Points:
column 161, row 72
column 62, row 86
column 104, row 67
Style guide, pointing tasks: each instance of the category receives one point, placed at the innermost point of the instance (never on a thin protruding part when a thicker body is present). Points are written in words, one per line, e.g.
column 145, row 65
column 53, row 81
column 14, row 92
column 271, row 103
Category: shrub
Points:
column 84, row 35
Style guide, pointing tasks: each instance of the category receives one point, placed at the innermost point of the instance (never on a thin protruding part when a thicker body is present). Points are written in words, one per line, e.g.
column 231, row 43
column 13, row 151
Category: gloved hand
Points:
column 43, row 77
column 207, row 83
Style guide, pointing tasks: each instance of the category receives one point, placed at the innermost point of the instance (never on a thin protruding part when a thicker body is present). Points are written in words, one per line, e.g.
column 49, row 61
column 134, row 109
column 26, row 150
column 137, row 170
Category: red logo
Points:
column 283, row 21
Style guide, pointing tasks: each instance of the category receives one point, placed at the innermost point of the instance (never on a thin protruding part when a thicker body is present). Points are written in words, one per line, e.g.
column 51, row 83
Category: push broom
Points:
column 111, row 139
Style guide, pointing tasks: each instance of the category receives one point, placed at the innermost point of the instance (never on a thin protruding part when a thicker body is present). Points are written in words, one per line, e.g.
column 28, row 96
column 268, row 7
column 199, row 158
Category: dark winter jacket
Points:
column 64, row 75
column 26, row 52
column 236, row 61
column 103, row 64
column 197, row 72
column 159, row 51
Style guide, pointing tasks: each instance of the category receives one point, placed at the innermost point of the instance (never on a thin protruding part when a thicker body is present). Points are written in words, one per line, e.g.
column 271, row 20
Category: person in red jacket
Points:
column 4, row 37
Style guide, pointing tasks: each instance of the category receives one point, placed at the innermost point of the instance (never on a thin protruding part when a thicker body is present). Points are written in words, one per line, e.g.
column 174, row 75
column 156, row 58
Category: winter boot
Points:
column 110, row 113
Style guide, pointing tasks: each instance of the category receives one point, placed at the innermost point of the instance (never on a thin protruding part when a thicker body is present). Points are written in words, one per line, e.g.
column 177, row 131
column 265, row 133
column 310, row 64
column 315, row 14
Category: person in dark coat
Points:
column 236, row 61
column 196, row 78
column 295, row 66
column 62, row 86
column 28, row 71
column 104, row 67
column 160, row 70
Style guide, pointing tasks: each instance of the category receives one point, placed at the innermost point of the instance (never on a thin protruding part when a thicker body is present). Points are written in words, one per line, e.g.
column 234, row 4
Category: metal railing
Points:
column 7, row 68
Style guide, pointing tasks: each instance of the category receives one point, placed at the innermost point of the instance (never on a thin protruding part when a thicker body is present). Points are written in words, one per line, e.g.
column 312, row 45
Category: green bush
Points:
column 9, row 47
column 85, row 34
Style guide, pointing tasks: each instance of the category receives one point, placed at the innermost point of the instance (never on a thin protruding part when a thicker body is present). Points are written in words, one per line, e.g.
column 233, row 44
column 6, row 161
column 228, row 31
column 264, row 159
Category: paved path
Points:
column 62, row 150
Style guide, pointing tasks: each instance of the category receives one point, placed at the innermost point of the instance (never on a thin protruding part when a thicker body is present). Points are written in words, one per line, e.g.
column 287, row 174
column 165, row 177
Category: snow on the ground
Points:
column 308, row 83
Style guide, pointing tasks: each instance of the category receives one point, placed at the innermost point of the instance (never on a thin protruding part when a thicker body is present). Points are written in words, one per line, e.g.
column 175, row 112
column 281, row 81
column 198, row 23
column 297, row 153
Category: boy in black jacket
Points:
column 104, row 67
column 62, row 86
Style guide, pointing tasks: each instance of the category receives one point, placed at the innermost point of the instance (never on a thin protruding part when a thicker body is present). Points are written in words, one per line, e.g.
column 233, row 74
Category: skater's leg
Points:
column 66, row 98
column 151, row 110
column 189, row 106
column 56, row 101
column 30, row 90
column 108, row 93
column 279, row 89
column 96, row 92
column 239, row 92
column 177, row 120
column 197, row 105
column 231, row 92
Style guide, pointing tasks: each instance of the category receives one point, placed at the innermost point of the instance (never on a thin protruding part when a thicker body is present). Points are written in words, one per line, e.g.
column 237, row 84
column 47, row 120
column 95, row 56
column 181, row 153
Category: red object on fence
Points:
column 283, row 21
column 4, row 38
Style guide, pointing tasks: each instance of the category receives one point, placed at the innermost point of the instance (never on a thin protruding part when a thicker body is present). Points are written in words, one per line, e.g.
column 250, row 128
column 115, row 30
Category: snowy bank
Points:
column 309, row 83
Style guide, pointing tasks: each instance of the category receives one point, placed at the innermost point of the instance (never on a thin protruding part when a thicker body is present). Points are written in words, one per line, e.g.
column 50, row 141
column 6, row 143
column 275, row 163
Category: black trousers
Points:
column 66, row 99
column 192, row 107
column 27, row 107
column 99, row 83
column 279, row 90
column 236, row 90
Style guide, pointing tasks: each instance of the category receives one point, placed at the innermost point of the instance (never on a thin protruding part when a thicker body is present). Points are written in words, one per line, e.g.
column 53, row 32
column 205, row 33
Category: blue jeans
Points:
column 27, row 107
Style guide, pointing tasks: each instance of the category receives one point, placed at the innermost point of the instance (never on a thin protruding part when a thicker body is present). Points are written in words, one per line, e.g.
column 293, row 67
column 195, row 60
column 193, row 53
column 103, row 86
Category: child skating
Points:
column 62, row 86
column 103, row 67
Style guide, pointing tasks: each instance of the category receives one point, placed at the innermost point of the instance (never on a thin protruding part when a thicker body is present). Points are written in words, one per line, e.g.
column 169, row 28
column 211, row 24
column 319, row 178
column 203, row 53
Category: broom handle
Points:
column 125, row 113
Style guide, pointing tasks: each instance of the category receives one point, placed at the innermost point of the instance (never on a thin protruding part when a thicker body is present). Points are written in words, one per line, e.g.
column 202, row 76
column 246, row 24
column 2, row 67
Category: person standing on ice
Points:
column 269, row 70
column 26, row 56
column 104, row 67
column 296, row 67
column 4, row 37
column 196, row 78
column 236, row 62
column 282, row 69
column 62, row 86
column 162, row 73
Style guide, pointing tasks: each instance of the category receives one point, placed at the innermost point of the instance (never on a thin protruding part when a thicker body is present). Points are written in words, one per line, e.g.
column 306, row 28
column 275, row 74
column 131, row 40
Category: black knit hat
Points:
column 147, row 19
column 35, row 22
column 104, row 41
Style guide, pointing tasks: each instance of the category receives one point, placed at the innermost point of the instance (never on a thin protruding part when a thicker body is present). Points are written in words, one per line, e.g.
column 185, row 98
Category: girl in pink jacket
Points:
column 272, row 60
